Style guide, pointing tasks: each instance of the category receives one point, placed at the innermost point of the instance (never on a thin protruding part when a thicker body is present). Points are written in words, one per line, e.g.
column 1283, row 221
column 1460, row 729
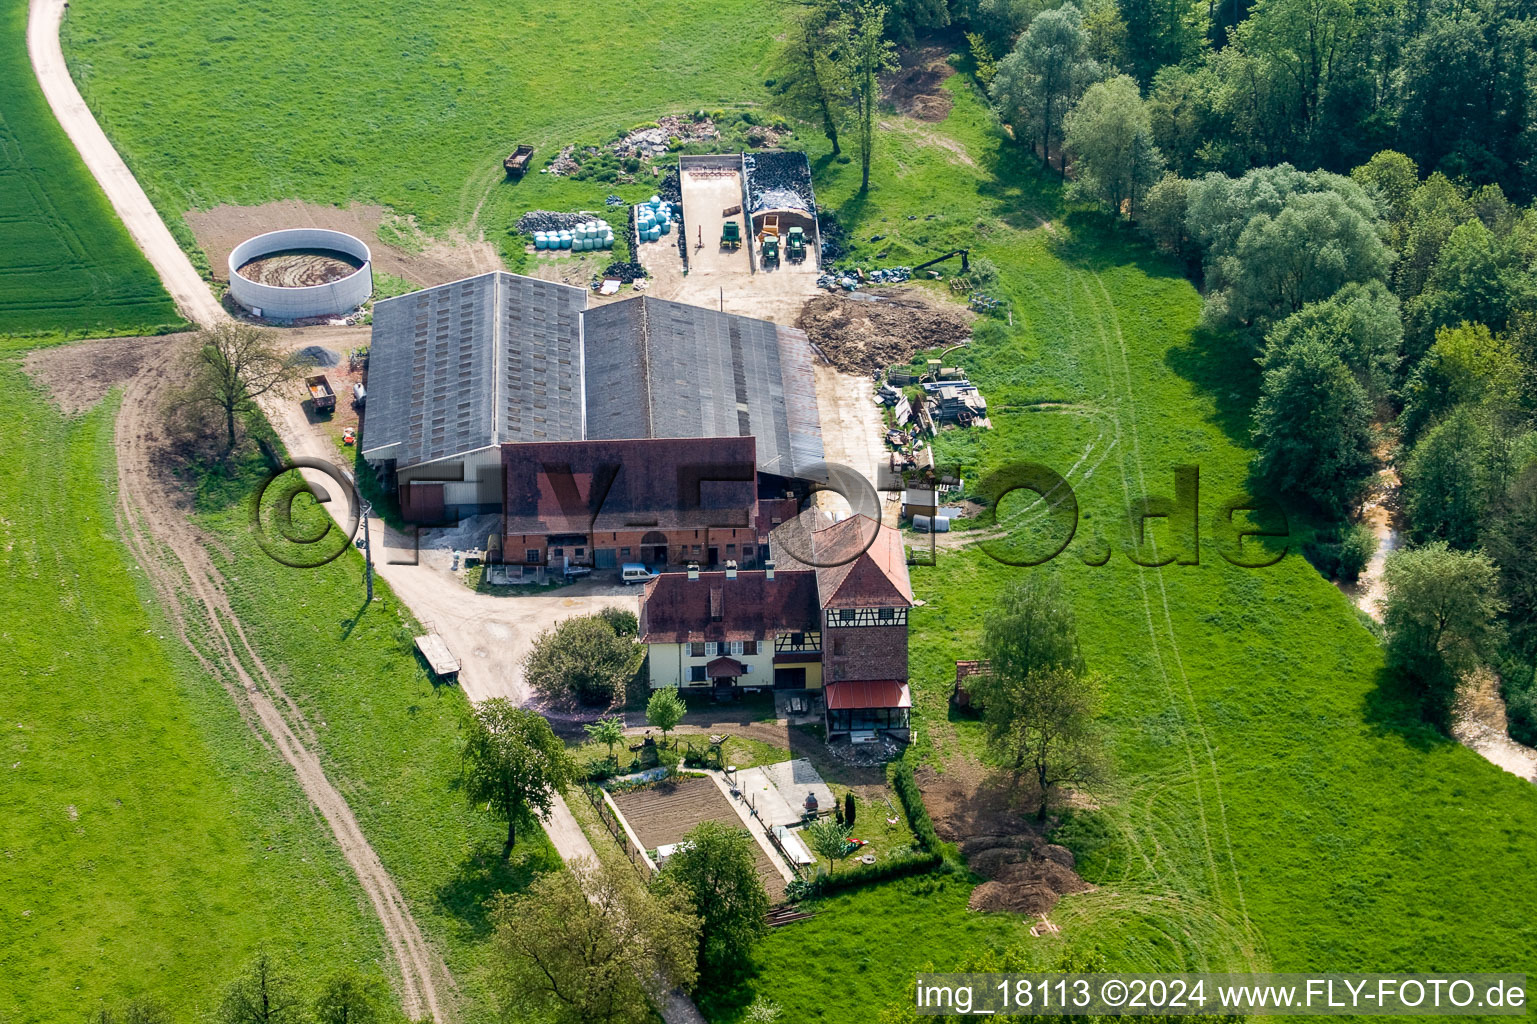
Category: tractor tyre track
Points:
column 153, row 521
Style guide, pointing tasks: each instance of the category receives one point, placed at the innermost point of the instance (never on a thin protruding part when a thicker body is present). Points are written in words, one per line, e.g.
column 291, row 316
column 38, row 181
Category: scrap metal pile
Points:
column 850, row 281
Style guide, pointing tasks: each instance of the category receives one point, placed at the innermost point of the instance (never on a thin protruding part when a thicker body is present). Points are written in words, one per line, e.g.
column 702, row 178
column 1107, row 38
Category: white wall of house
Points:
column 670, row 664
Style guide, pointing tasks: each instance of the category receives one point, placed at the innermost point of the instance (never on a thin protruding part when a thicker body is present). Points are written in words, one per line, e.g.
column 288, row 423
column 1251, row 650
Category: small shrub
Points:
column 1520, row 689
column 1356, row 551
column 982, row 54
column 982, row 272
column 900, row 775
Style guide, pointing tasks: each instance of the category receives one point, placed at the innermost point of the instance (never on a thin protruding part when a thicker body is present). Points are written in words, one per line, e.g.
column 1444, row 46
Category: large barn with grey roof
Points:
column 457, row 371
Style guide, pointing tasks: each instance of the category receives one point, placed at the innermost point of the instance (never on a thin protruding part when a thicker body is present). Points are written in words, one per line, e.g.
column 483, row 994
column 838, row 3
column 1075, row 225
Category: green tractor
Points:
column 795, row 245
column 770, row 247
column 731, row 235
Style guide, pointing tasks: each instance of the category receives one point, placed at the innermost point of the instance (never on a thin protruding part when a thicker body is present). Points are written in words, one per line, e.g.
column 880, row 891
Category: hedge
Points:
column 880, row 871
column 900, row 774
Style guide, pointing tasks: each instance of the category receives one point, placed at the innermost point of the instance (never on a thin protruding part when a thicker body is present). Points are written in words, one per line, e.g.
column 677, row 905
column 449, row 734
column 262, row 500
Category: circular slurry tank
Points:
column 301, row 272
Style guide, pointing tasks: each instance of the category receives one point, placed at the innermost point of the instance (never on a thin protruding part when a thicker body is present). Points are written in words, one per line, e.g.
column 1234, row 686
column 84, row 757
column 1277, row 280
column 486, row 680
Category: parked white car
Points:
column 634, row 572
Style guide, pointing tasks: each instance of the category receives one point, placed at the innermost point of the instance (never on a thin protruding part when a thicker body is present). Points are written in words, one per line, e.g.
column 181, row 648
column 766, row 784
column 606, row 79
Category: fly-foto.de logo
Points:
column 1030, row 515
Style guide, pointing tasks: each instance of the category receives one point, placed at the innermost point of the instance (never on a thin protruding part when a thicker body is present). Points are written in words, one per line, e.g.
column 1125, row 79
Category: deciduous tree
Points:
column 717, row 866
column 814, row 71
column 1318, row 243
column 1042, row 726
column 1038, row 702
column 350, row 998
column 828, row 838
column 1030, row 626
column 1312, row 425
column 871, row 55
column 585, row 945
column 1110, row 139
column 607, row 731
column 583, row 657
column 1047, row 71
column 665, row 710
column 1362, row 323
column 231, row 365
column 513, row 763
column 1508, row 540
column 1439, row 616
column 262, row 995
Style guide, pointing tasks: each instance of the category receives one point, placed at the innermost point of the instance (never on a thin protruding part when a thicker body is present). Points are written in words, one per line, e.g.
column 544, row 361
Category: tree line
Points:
column 1236, row 84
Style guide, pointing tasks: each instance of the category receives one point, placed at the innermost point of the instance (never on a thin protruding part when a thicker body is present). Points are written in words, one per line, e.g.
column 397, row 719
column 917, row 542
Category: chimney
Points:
column 768, row 569
column 693, row 570
column 731, row 569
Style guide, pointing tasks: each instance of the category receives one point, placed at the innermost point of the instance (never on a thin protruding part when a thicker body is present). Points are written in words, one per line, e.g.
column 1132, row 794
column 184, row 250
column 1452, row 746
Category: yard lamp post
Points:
column 368, row 551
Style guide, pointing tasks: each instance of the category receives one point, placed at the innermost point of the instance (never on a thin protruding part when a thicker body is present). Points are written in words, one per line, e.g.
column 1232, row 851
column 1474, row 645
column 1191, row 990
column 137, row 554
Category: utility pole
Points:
column 368, row 552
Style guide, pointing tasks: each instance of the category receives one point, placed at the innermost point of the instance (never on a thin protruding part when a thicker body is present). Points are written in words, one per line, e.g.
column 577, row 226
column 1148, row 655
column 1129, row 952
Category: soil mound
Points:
column 1032, row 900
column 981, row 811
column 917, row 87
column 879, row 329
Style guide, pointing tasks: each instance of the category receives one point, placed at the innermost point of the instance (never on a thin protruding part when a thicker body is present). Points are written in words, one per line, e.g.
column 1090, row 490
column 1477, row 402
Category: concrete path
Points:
column 149, row 232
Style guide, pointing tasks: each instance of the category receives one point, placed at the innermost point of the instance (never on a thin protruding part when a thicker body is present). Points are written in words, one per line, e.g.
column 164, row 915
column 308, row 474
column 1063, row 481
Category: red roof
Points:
column 656, row 483
column 850, row 695
column 861, row 564
column 676, row 609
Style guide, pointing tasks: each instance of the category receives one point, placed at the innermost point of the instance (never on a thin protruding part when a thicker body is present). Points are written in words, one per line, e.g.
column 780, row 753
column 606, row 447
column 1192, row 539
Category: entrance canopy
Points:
column 725, row 668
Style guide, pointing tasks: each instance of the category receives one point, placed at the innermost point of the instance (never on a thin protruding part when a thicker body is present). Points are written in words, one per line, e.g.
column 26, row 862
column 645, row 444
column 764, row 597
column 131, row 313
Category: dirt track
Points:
column 427, row 262
column 149, row 232
column 152, row 518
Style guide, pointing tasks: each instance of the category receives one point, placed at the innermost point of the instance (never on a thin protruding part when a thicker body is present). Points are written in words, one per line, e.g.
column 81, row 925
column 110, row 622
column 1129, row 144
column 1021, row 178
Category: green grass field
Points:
column 416, row 112
column 1271, row 808
column 151, row 843
column 389, row 737
column 66, row 264
column 149, row 829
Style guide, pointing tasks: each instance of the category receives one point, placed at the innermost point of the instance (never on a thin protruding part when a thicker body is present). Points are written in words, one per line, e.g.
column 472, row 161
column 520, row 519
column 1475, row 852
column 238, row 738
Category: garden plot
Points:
column 666, row 812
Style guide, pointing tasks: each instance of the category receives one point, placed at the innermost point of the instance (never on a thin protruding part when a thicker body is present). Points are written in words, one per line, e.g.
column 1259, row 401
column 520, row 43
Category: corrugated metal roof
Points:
column 850, row 695
column 664, row 369
column 477, row 362
column 503, row 358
